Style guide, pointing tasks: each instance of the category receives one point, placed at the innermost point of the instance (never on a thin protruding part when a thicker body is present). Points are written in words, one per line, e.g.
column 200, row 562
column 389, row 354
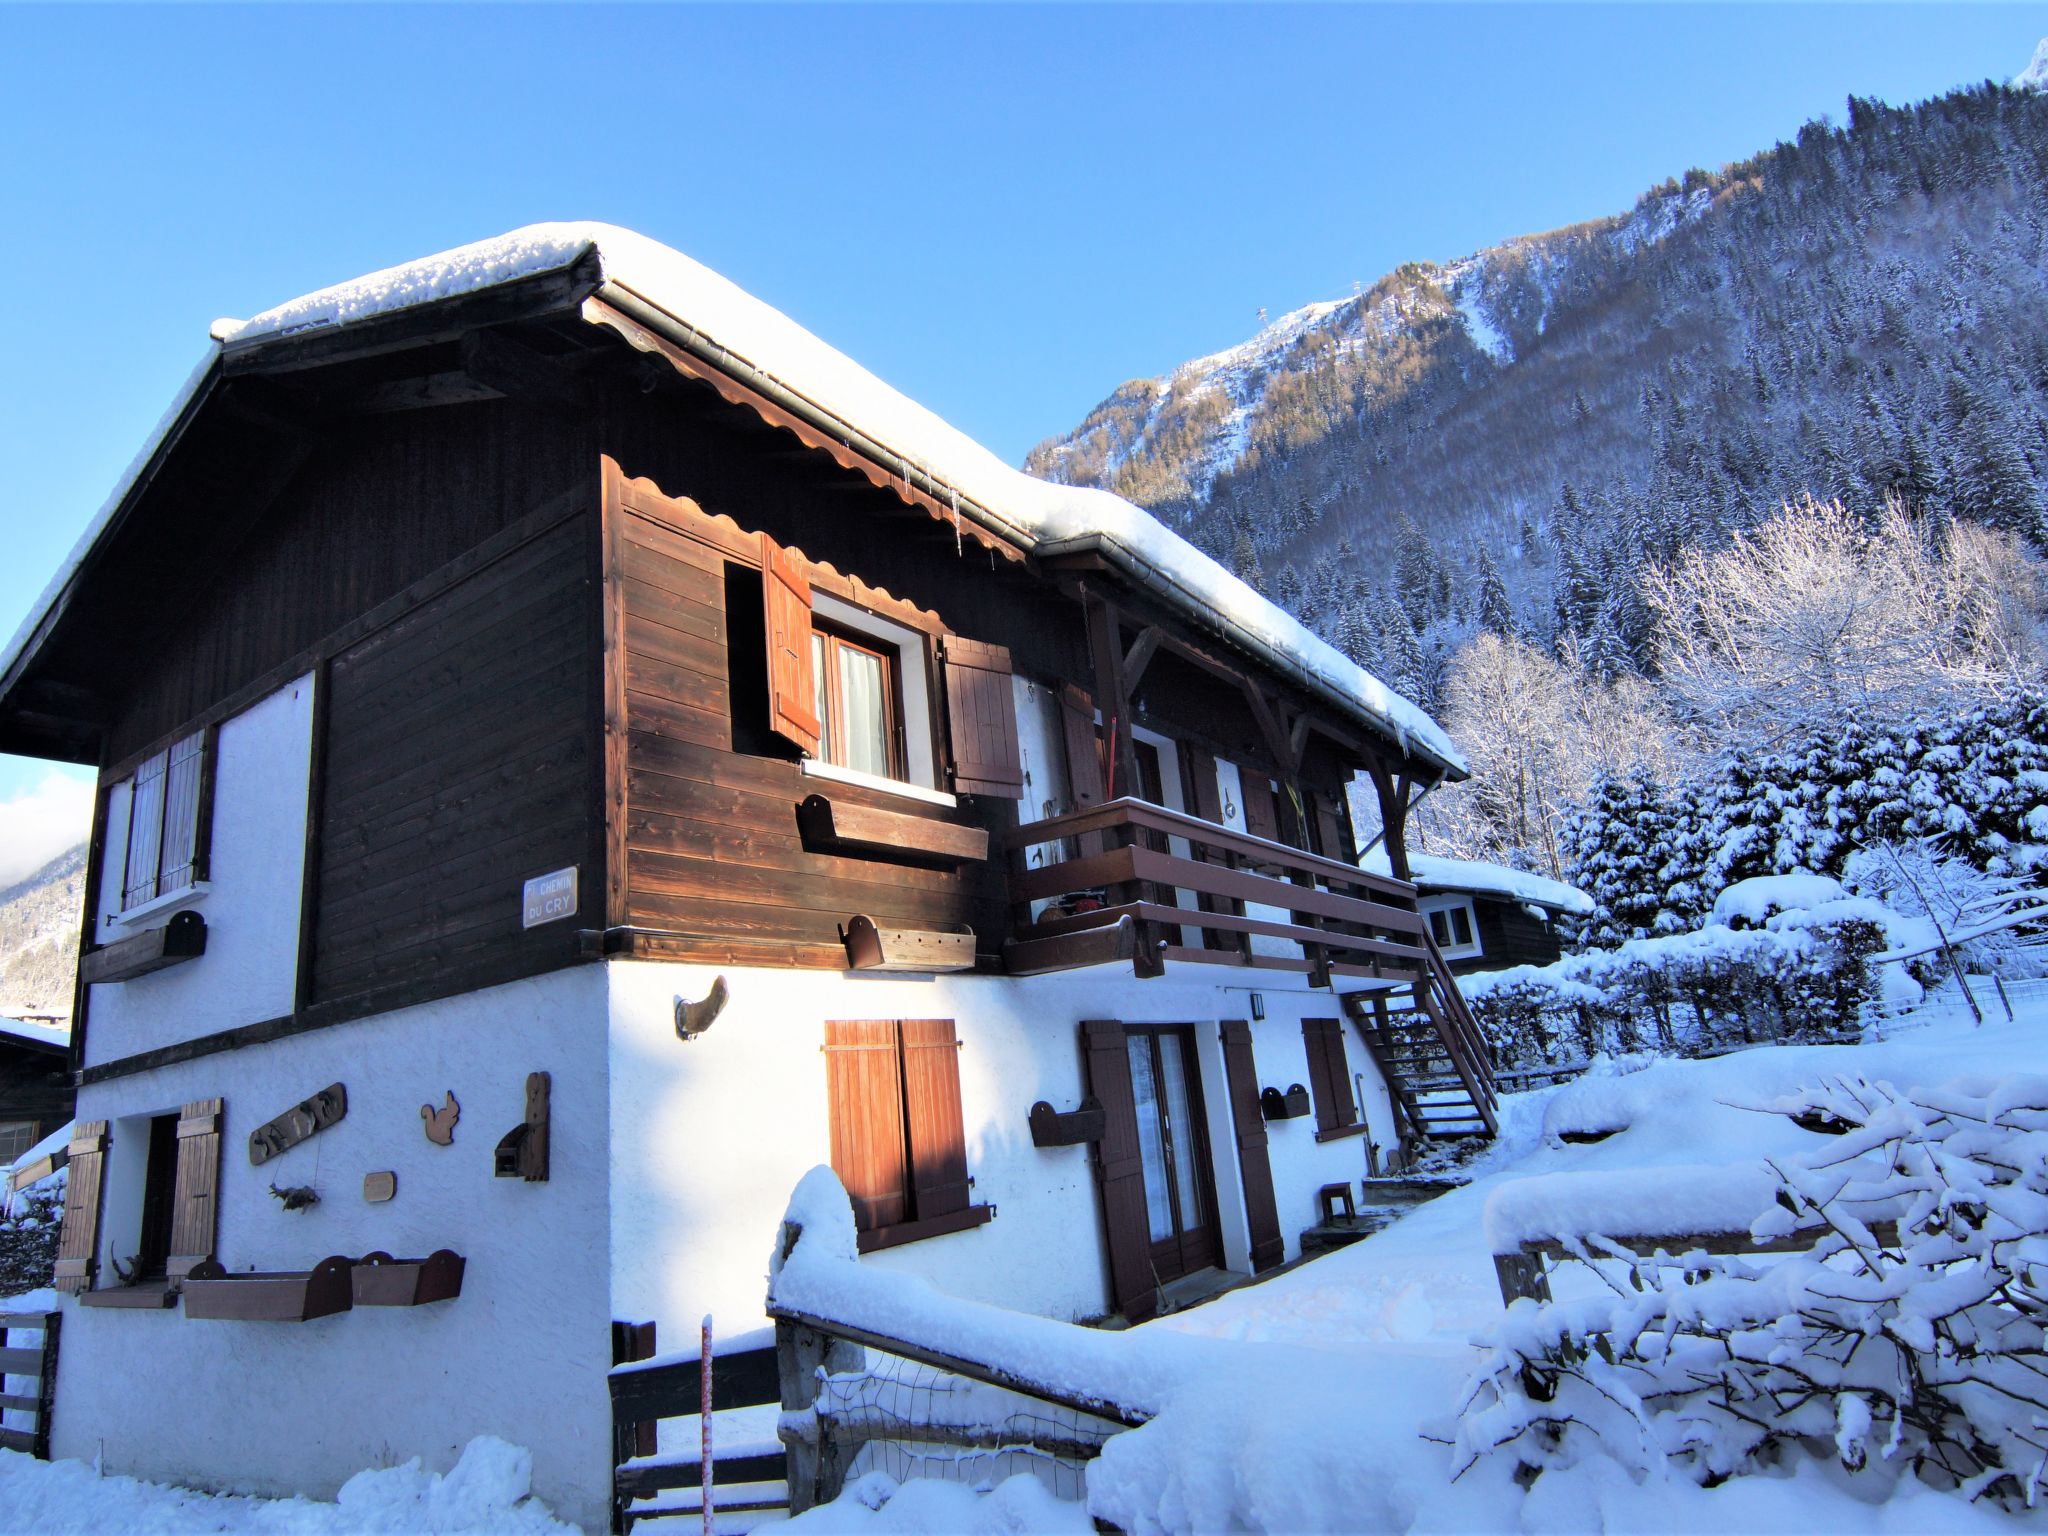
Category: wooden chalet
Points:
column 1488, row 917
column 574, row 753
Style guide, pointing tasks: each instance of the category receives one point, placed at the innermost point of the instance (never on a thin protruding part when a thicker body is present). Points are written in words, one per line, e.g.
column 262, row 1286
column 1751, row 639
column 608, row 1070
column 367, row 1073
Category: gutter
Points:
column 1128, row 561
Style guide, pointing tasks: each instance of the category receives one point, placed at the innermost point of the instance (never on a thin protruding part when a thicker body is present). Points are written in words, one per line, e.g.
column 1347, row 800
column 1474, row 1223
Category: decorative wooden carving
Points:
column 182, row 938
column 440, row 1123
column 297, row 1197
column 869, row 948
column 523, row 1150
column 379, row 1187
column 292, row 1297
column 692, row 1019
column 1049, row 1128
column 302, row 1120
column 379, row 1280
column 1291, row 1105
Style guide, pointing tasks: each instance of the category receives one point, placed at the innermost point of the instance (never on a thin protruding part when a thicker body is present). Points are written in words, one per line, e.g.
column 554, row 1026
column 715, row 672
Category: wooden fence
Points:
column 1522, row 1270
column 646, row 1389
column 39, row 1362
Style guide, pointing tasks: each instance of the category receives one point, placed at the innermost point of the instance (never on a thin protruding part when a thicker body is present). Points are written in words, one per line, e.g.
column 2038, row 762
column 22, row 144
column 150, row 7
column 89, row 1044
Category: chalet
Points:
column 1487, row 917
column 576, row 752
column 36, row 1093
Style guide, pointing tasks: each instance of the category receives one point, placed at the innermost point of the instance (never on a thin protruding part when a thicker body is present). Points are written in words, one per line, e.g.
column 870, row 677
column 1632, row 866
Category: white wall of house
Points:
column 299, row 1407
column 715, row 1132
column 250, row 969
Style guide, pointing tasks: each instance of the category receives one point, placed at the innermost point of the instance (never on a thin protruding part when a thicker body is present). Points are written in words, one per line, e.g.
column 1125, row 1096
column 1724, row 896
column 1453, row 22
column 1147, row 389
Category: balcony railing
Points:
column 1188, row 890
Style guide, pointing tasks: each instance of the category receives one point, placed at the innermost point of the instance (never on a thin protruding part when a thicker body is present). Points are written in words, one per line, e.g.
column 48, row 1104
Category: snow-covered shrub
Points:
column 1806, row 974
column 28, row 1238
column 1921, row 1350
column 1992, row 923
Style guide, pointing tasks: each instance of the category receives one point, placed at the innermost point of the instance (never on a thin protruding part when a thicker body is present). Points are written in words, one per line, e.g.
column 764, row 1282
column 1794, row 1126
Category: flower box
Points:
column 379, row 1280
column 289, row 1297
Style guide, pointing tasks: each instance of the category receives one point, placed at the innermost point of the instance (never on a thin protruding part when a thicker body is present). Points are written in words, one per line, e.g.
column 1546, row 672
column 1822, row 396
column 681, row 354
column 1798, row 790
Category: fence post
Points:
column 46, row 1385
column 1521, row 1274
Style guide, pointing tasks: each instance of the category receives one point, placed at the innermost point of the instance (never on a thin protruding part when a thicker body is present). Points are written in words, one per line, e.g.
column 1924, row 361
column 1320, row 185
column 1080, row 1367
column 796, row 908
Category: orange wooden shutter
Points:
column 981, row 719
column 863, row 1078
column 792, row 683
column 1262, row 1214
column 195, row 1208
column 931, row 1094
column 78, row 1244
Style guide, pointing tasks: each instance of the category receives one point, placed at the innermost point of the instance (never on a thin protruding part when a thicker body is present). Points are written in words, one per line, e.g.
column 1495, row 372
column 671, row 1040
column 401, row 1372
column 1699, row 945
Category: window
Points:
column 858, row 689
column 1329, row 1080
column 1452, row 924
column 16, row 1137
column 898, row 1144
column 169, row 816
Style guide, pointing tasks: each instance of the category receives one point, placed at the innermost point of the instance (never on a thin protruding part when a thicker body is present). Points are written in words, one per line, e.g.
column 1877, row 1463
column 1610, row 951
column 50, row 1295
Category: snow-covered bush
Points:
column 28, row 1238
column 1990, row 923
column 1921, row 1350
column 1805, row 974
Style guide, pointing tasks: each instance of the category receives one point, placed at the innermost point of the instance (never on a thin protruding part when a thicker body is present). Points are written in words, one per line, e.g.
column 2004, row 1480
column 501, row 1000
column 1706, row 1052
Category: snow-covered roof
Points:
column 1044, row 518
column 1482, row 879
column 36, row 1032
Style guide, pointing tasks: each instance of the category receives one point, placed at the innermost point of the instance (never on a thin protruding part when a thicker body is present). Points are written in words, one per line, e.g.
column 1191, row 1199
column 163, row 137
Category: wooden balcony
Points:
column 1180, row 889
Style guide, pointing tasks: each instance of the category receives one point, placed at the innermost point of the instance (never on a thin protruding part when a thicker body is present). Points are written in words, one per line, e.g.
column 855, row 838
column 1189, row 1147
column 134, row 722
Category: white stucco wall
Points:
column 714, row 1133
column 249, row 970
column 299, row 1407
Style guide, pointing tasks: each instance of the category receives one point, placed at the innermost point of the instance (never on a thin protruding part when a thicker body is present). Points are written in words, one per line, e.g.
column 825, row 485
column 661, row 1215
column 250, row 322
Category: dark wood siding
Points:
column 460, row 760
column 1508, row 936
column 713, row 853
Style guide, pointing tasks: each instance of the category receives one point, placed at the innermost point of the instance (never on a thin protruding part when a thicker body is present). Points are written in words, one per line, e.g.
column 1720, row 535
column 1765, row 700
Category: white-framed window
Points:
column 1453, row 924
column 170, row 815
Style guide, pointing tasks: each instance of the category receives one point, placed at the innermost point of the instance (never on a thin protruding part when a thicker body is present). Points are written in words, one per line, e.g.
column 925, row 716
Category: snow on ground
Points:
column 485, row 1492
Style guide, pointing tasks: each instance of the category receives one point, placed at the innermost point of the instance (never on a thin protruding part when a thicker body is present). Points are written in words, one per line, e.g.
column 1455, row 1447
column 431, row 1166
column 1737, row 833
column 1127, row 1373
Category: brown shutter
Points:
column 195, row 1207
column 1331, row 842
column 863, row 1079
column 78, row 1244
column 1204, row 798
column 1261, row 815
column 1120, row 1170
column 931, row 1100
column 792, row 684
column 1262, row 1215
column 1084, row 749
column 1329, row 1074
column 981, row 718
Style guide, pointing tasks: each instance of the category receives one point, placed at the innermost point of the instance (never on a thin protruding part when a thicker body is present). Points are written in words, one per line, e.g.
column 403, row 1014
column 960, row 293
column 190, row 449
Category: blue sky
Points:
column 1003, row 211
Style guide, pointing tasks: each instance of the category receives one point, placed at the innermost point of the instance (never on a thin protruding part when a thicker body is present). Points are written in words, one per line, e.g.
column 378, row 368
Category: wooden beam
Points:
column 1112, row 696
column 1140, row 655
column 518, row 372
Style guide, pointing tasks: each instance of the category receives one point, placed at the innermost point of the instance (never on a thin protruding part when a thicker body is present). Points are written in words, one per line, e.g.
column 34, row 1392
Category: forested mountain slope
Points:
column 1857, row 312
column 39, row 937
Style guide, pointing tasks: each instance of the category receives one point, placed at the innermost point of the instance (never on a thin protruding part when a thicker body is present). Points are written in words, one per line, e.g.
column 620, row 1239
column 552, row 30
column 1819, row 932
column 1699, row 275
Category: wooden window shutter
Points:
column 931, row 1102
column 792, row 682
column 195, row 1207
column 78, row 1243
column 1084, row 748
column 1261, row 814
column 863, row 1080
column 981, row 718
column 1262, row 1213
column 1329, row 1074
column 1331, row 842
column 1120, row 1170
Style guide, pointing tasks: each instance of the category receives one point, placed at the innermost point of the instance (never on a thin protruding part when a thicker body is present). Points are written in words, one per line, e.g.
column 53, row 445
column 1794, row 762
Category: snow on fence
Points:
column 1633, row 1214
column 878, row 1371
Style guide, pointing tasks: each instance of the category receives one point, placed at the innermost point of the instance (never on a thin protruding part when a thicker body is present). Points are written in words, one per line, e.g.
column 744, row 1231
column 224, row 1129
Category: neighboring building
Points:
column 36, row 1094
column 1487, row 917
column 546, row 659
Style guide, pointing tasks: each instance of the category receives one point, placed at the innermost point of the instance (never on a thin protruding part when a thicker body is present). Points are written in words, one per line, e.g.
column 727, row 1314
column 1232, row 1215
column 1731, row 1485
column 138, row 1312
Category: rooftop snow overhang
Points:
column 551, row 268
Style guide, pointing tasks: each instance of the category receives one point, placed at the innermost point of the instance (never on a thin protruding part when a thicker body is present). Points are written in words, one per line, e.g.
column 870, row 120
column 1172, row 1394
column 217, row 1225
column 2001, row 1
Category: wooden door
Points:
column 1173, row 1148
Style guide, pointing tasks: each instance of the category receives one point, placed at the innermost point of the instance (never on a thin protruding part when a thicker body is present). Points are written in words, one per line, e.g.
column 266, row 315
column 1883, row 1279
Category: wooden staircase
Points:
column 1437, row 1066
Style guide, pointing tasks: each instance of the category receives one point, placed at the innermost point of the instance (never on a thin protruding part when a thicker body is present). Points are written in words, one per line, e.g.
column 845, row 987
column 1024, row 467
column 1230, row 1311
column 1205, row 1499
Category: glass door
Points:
column 1180, row 1192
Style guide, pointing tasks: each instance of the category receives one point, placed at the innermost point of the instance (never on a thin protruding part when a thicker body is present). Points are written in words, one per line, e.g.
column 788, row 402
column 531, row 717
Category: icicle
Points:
column 956, row 522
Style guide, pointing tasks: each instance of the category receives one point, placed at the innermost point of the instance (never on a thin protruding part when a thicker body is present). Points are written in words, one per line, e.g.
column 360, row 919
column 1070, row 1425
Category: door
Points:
column 1173, row 1146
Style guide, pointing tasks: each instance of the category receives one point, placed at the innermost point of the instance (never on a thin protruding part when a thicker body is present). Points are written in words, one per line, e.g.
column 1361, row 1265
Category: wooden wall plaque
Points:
column 379, row 1187
column 303, row 1120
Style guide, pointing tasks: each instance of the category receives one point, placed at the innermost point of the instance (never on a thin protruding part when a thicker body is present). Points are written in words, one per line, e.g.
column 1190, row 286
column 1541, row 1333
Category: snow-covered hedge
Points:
column 1804, row 974
column 1923, row 1355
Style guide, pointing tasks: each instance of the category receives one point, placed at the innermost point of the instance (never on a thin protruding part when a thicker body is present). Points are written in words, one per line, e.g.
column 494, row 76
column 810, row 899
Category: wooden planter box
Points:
column 182, row 938
column 869, row 948
column 379, row 1280
column 1050, row 1128
column 1291, row 1105
column 293, row 1297
column 863, row 832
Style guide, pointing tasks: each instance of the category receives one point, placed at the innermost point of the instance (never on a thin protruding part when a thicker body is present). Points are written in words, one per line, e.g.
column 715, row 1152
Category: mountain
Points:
column 1857, row 312
column 39, row 937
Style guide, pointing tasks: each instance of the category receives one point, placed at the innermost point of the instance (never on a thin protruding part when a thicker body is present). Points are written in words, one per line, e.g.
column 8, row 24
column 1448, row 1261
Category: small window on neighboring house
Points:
column 16, row 1137
column 169, row 815
column 1452, row 925
column 857, row 686
column 898, row 1144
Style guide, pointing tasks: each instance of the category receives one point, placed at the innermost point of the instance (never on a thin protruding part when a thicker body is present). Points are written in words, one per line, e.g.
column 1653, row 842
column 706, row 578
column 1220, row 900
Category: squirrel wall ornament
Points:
column 297, row 1197
column 440, row 1123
